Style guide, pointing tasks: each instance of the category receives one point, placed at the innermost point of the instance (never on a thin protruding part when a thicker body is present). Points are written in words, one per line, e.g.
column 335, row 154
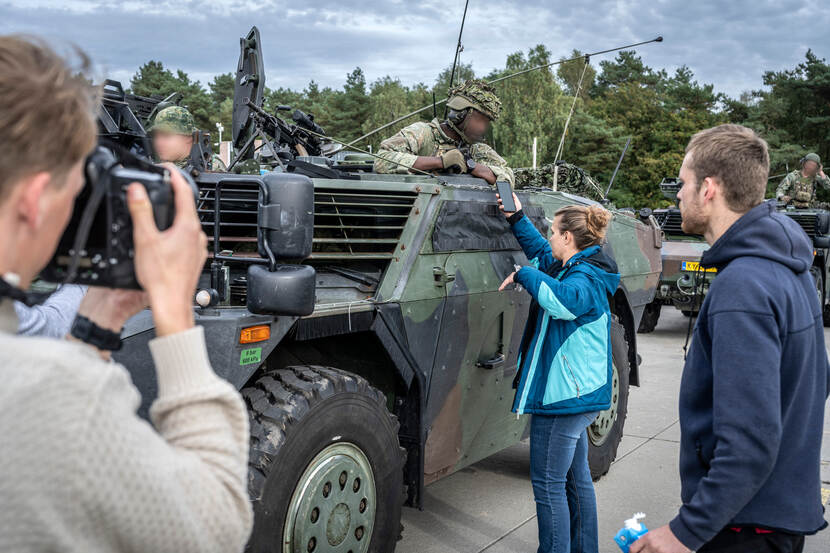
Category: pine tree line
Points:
column 617, row 99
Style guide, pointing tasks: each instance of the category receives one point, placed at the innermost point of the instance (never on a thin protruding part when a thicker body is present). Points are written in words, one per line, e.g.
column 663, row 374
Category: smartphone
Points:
column 506, row 195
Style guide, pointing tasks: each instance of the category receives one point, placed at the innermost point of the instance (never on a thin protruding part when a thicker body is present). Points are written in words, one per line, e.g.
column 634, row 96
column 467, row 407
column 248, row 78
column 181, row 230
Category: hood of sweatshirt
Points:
column 599, row 265
column 766, row 233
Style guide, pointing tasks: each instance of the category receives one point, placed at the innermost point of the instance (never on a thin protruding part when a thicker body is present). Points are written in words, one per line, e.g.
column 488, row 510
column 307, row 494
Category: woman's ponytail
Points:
column 588, row 224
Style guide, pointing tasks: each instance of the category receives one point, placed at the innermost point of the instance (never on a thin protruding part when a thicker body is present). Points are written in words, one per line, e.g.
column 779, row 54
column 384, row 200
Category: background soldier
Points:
column 799, row 186
column 173, row 133
column 454, row 144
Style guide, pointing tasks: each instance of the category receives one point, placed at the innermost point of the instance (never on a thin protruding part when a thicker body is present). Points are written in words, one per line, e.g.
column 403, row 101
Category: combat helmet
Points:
column 811, row 157
column 476, row 94
column 173, row 119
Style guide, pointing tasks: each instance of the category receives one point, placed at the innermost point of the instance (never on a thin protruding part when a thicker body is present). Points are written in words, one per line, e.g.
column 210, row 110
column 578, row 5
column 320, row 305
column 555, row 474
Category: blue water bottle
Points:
column 631, row 532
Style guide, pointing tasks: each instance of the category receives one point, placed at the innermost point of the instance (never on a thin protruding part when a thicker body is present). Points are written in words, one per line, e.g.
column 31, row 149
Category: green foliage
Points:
column 153, row 79
column 533, row 105
column 793, row 114
column 463, row 72
column 570, row 73
column 622, row 97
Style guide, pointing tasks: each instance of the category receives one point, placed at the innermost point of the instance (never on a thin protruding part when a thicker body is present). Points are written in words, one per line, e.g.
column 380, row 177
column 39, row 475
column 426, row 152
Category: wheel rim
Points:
column 819, row 290
column 333, row 505
column 601, row 427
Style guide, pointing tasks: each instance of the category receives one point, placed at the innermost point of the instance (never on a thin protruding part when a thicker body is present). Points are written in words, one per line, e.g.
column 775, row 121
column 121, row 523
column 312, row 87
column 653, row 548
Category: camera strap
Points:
column 84, row 226
column 13, row 292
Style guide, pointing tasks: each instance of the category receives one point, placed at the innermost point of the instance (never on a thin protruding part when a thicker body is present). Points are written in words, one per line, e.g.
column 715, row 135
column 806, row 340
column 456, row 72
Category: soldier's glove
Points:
column 785, row 200
column 454, row 161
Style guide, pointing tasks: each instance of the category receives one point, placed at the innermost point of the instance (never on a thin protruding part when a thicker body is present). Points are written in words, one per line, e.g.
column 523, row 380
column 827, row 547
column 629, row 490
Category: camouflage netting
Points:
column 571, row 179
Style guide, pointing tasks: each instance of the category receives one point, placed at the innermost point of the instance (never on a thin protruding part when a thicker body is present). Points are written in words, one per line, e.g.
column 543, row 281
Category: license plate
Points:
column 694, row 266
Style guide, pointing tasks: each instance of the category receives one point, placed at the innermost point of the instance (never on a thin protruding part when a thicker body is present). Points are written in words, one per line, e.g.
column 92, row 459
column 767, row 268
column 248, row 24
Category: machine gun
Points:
column 290, row 140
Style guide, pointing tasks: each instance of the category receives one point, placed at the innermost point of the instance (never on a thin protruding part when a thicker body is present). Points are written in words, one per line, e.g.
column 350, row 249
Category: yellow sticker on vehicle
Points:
column 694, row 266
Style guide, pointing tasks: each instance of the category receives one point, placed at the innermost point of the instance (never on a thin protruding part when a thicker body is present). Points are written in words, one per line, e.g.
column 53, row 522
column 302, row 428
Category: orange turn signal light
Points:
column 253, row 334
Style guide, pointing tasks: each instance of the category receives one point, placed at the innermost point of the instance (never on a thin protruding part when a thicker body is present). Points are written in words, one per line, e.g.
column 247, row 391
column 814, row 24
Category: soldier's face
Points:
column 476, row 125
column 691, row 202
column 810, row 167
column 170, row 146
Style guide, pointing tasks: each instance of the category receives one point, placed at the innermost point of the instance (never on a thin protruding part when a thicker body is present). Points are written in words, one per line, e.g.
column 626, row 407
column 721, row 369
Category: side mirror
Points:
column 285, row 216
column 288, row 290
column 821, row 242
column 285, row 230
column 823, row 223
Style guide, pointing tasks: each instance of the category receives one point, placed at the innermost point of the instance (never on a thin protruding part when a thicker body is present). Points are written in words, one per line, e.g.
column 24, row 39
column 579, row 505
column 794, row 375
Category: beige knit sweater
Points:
column 79, row 471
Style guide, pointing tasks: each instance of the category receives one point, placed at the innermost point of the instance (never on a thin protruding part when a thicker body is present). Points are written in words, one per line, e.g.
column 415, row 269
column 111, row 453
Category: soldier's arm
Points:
column 823, row 180
column 484, row 154
column 400, row 152
column 783, row 188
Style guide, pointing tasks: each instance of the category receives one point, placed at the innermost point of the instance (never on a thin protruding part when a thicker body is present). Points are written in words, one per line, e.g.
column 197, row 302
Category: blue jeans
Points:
column 566, row 506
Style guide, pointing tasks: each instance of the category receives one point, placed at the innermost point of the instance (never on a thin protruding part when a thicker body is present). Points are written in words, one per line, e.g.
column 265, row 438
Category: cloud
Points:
column 729, row 44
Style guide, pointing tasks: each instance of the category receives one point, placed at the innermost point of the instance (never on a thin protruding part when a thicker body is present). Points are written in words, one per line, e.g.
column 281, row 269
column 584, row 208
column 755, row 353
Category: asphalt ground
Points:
column 489, row 508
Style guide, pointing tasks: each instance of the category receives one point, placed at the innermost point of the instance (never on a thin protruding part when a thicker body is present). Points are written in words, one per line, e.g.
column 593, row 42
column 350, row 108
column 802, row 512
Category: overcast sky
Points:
column 729, row 43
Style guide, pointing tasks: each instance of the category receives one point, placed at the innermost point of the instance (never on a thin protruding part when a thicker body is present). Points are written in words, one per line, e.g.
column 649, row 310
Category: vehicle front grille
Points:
column 359, row 224
column 807, row 221
column 671, row 222
column 348, row 223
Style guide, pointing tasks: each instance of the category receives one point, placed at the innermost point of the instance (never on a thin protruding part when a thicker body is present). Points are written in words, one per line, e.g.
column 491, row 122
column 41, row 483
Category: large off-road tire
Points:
column 651, row 314
column 326, row 468
column 605, row 433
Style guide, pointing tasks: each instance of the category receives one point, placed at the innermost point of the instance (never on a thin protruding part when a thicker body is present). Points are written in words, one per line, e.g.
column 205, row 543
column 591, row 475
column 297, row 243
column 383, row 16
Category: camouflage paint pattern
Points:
column 449, row 299
column 428, row 139
column 569, row 178
column 454, row 319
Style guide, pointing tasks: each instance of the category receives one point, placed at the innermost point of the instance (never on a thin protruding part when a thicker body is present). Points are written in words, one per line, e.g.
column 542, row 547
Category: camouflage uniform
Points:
column 173, row 119
column 216, row 164
column 178, row 120
column 429, row 139
column 802, row 189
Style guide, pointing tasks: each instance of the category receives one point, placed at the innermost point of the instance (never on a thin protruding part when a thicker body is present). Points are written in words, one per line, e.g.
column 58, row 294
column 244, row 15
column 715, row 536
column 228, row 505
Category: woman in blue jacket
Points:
column 565, row 369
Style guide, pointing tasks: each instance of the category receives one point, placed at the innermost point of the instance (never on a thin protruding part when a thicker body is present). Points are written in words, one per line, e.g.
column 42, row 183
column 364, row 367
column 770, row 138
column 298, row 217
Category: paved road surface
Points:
column 488, row 508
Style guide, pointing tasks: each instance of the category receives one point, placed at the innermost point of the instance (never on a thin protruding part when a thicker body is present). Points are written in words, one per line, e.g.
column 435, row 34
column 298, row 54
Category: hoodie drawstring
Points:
column 697, row 288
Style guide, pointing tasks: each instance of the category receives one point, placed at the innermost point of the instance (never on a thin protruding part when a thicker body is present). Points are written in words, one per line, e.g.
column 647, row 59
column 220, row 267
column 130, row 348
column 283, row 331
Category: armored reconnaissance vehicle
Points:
column 385, row 361
column 683, row 282
column 816, row 223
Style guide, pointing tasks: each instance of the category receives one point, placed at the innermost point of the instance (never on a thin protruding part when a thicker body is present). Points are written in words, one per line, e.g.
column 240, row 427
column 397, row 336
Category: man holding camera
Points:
column 453, row 145
column 79, row 471
column 799, row 186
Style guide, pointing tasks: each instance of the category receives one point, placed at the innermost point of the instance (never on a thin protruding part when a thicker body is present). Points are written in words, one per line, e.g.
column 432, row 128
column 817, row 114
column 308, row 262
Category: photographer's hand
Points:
column 110, row 308
column 168, row 263
column 515, row 200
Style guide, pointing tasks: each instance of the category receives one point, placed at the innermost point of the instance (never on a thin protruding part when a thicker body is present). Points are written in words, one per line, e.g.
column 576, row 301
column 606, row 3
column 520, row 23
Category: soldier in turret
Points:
column 173, row 133
column 799, row 186
column 454, row 144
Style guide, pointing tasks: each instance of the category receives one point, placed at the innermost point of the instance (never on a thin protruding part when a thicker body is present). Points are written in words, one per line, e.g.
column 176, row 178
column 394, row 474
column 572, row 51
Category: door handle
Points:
column 441, row 276
column 493, row 363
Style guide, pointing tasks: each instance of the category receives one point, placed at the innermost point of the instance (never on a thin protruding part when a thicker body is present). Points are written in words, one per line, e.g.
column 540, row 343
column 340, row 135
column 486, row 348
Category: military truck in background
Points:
column 386, row 360
column 683, row 283
column 816, row 223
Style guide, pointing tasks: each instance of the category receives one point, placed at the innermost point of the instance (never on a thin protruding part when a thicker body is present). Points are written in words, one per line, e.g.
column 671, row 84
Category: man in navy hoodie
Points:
column 756, row 376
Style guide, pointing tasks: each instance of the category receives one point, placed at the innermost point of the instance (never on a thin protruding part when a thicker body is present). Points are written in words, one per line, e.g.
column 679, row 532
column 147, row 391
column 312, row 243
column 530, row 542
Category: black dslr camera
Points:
column 97, row 245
